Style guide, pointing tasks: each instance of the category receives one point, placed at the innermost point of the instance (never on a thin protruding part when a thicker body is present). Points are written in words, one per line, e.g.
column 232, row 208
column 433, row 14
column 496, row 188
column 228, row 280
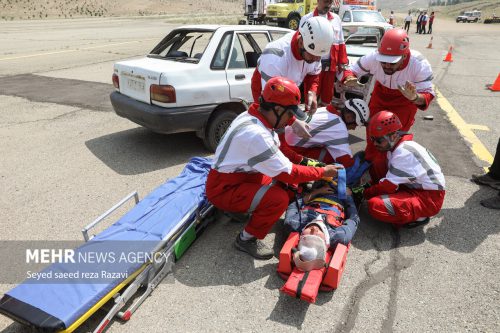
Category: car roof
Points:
column 213, row 27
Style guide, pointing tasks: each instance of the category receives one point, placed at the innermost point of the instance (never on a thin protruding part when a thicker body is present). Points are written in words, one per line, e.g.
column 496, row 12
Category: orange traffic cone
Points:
column 448, row 57
column 430, row 43
column 495, row 86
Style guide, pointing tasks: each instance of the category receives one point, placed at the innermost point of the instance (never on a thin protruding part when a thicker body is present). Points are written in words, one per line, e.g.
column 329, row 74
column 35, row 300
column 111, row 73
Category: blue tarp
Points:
column 146, row 224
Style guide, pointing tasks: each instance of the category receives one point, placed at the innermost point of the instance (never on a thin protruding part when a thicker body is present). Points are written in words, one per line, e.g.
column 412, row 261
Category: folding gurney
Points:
column 165, row 222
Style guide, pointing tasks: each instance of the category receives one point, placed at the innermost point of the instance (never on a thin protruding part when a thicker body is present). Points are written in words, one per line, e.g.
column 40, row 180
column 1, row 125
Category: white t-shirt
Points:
column 408, row 18
column 418, row 71
column 277, row 60
column 249, row 146
column 414, row 166
column 327, row 130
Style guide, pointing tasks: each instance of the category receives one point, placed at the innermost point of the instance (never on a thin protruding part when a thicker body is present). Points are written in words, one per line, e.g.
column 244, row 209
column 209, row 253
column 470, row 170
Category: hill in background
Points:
column 42, row 9
column 191, row 11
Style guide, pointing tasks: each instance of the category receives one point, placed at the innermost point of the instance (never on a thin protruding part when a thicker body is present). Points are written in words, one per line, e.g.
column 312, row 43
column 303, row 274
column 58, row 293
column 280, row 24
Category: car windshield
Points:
column 367, row 16
column 183, row 45
column 285, row 1
column 362, row 35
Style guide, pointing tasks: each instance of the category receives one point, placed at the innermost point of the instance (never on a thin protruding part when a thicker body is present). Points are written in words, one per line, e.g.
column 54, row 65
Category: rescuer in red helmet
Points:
column 413, row 186
column 250, row 168
column 403, row 80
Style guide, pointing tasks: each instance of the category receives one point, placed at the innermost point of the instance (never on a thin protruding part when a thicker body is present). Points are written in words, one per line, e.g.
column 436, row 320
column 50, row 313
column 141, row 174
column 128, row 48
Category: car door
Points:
column 245, row 50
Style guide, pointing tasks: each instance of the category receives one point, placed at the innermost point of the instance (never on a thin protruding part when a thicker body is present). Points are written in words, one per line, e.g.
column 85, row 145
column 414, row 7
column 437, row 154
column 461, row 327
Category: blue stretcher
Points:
column 164, row 223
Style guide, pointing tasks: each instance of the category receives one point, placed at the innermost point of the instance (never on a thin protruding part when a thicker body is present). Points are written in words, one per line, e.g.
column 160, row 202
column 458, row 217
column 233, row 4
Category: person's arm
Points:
column 384, row 187
column 303, row 174
column 293, row 156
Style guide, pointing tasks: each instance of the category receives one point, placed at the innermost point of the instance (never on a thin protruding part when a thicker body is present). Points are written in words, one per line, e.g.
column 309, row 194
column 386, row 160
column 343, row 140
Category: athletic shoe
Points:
column 254, row 247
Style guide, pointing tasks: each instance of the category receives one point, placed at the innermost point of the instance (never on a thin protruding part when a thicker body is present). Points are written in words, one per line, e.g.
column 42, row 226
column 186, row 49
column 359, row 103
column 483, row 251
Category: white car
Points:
column 467, row 17
column 197, row 79
column 365, row 17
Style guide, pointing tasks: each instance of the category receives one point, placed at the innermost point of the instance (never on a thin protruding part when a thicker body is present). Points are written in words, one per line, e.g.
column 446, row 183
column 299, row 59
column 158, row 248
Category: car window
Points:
column 277, row 34
column 220, row 57
column 367, row 16
column 347, row 17
column 237, row 55
column 183, row 45
column 247, row 49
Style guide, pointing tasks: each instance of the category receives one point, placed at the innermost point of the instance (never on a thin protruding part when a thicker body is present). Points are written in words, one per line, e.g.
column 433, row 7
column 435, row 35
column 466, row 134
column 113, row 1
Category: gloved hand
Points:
column 357, row 193
column 361, row 188
column 312, row 103
column 409, row 91
column 352, row 81
column 301, row 129
column 331, row 171
column 311, row 162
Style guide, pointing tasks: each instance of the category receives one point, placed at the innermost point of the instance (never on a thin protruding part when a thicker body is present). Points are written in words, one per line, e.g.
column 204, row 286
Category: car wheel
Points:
column 293, row 23
column 216, row 128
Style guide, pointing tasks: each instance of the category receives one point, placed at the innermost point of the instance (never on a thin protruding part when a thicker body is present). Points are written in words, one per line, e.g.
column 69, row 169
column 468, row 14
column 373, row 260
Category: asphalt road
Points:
column 66, row 158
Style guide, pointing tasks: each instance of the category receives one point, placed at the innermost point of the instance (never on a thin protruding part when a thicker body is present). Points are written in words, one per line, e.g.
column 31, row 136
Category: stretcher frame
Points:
column 148, row 275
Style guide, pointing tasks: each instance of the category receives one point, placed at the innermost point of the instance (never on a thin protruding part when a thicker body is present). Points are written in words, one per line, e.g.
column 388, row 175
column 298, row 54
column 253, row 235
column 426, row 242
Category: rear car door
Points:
column 246, row 49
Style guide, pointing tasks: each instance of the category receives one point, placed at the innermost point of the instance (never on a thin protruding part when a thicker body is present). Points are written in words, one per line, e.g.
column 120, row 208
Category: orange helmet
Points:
column 281, row 91
column 393, row 45
column 383, row 123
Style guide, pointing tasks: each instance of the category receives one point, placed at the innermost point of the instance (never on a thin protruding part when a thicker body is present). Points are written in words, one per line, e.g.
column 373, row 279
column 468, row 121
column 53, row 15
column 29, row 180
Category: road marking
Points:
column 75, row 50
column 464, row 129
column 479, row 127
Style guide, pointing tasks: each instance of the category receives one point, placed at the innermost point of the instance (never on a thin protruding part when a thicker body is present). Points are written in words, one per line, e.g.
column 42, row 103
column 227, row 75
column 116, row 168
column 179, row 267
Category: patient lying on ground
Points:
column 323, row 221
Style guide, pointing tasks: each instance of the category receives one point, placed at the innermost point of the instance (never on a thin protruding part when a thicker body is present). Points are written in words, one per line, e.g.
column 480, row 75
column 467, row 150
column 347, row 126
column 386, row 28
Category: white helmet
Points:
column 317, row 35
column 360, row 109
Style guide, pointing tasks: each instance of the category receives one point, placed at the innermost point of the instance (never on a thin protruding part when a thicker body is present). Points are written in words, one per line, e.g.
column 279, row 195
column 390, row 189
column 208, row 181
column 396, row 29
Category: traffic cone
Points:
column 430, row 43
column 495, row 86
column 448, row 57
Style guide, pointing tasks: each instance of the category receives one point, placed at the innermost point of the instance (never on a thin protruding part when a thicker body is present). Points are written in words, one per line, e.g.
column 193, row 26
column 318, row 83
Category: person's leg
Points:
column 269, row 210
column 495, row 167
column 327, row 79
column 430, row 29
column 492, row 177
column 405, row 206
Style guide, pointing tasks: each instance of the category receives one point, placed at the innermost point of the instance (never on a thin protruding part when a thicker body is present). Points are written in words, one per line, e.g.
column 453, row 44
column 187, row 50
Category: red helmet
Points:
column 383, row 123
column 394, row 44
column 281, row 91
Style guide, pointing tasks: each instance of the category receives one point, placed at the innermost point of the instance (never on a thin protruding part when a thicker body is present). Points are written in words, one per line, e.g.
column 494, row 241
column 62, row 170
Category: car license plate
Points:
column 135, row 85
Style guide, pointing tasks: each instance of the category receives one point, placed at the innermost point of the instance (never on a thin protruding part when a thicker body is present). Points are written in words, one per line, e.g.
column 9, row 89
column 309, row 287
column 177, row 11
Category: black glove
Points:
column 311, row 162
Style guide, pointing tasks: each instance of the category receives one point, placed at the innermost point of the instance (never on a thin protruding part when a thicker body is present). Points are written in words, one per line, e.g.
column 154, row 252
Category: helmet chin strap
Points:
column 278, row 117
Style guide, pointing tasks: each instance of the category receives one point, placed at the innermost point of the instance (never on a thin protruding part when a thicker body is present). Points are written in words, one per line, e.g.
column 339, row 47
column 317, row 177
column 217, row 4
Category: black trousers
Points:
column 418, row 27
column 430, row 28
column 407, row 26
column 495, row 167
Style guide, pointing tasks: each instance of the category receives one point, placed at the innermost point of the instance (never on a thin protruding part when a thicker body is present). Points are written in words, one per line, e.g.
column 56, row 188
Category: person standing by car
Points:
column 250, row 170
column 408, row 20
column 333, row 62
column 431, row 21
column 296, row 56
column 391, row 18
column 403, row 81
column 423, row 23
column 419, row 22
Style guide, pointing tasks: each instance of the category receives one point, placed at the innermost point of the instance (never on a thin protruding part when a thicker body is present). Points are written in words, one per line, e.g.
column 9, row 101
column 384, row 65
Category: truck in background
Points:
column 356, row 4
column 287, row 13
column 255, row 11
